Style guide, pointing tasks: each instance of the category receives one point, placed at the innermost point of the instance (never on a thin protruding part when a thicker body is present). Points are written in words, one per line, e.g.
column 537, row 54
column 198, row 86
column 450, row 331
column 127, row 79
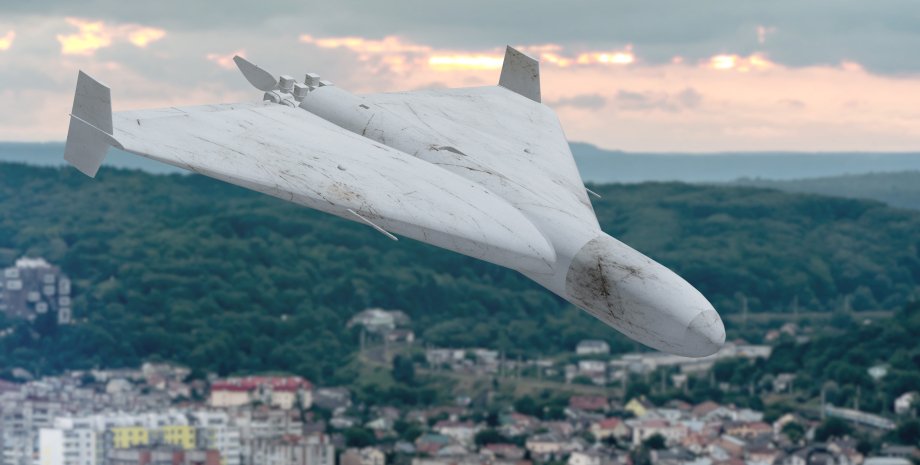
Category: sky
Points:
column 648, row 76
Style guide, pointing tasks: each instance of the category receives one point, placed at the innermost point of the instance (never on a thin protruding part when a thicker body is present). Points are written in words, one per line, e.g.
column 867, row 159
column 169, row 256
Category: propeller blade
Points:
column 258, row 77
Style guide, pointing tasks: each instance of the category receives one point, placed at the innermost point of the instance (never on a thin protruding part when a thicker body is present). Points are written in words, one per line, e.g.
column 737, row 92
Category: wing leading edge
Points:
column 296, row 156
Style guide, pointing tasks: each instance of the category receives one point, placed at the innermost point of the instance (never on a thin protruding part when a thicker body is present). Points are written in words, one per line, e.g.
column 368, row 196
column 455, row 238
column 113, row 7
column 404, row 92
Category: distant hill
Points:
column 599, row 165
column 603, row 166
column 190, row 269
column 896, row 189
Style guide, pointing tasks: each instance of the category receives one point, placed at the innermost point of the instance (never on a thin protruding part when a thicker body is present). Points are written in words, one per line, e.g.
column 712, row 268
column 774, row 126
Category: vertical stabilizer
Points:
column 521, row 74
column 90, row 134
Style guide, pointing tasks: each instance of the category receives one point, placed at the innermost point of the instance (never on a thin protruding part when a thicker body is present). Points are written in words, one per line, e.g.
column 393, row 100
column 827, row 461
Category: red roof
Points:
column 453, row 424
column 588, row 402
column 609, row 423
column 250, row 383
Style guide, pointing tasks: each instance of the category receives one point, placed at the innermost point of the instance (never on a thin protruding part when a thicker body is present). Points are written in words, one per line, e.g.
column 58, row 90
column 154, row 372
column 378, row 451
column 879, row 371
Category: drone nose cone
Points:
column 705, row 334
column 643, row 299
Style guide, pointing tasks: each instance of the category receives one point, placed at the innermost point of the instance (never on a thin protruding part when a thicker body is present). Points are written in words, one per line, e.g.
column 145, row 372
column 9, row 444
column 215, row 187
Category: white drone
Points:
column 485, row 172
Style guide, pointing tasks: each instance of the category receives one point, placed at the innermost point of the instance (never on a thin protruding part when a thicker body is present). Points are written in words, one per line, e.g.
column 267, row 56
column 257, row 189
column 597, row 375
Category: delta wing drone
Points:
column 485, row 172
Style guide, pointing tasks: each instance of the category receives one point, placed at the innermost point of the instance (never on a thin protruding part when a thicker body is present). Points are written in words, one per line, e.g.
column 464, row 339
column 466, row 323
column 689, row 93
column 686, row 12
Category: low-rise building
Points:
column 592, row 347
column 282, row 392
column 294, row 450
column 33, row 287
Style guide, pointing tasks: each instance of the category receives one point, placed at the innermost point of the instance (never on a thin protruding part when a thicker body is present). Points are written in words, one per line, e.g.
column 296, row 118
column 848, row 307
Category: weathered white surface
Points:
column 90, row 116
column 643, row 299
column 290, row 154
column 520, row 74
column 486, row 172
column 514, row 146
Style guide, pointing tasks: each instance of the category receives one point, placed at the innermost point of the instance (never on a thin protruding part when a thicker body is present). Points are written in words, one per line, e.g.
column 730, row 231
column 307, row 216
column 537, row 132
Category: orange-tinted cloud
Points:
column 93, row 35
column 753, row 62
column 399, row 52
column 465, row 61
column 7, row 40
column 142, row 36
column 225, row 60
column 389, row 44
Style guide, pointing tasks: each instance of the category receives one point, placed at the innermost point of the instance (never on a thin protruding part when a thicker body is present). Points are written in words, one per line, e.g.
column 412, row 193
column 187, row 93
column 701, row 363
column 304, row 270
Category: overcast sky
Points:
column 673, row 75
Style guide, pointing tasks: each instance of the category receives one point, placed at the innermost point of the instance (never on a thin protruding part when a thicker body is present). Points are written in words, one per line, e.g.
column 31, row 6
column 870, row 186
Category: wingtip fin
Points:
column 258, row 77
column 90, row 133
column 521, row 74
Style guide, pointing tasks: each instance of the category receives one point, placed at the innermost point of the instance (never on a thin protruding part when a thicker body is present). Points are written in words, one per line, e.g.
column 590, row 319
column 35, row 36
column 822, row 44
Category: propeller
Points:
column 258, row 77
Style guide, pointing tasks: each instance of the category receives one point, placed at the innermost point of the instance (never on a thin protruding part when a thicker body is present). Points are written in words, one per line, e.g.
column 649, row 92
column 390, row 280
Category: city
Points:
column 162, row 413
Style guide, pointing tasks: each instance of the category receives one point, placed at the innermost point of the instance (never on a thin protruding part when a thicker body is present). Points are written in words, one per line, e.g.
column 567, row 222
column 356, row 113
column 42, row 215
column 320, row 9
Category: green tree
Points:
column 794, row 431
column 655, row 442
column 403, row 369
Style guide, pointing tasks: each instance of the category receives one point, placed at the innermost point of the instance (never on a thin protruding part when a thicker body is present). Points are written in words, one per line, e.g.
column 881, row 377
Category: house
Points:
column 592, row 347
column 594, row 369
column 589, row 403
column 673, row 456
column 904, row 403
column 639, row 406
column 610, row 427
column 590, row 457
column 363, row 456
column 644, row 429
column 460, row 431
column 505, row 451
column 762, row 455
column 710, row 410
column 517, row 424
column 431, row 443
column 748, row 430
column 281, row 392
column 548, row 445
column 378, row 320
column 783, row 382
column 904, row 452
column 726, row 447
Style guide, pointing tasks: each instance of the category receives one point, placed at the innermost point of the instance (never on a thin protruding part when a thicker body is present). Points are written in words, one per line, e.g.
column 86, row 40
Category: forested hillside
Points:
column 190, row 269
column 901, row 189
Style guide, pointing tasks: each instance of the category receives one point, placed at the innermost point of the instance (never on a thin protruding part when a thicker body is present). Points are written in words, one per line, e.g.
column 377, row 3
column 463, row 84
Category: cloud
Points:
column 686, row 99
column 398, row 54
column 142, row 36
column 7, row 40
column 94, row 35
column 582, row 101
column 225, row 60
column 834, row 30
column 663, row 104
column 729, row 62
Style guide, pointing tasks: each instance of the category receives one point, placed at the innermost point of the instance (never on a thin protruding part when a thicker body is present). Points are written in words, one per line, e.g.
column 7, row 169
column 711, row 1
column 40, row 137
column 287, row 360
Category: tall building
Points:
column 33, row 287
column 215, row 431
column 72, row 441
column 294, row 450
column 162, row 456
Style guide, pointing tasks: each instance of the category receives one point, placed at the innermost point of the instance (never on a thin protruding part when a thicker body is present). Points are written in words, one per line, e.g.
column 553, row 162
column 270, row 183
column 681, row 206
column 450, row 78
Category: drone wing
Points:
column 297, row 156
column 501, row 136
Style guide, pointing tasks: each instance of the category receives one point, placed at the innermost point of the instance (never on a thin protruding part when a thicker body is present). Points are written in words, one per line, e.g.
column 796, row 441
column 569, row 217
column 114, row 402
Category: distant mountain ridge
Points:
column 901, row 189
column 602, row 166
